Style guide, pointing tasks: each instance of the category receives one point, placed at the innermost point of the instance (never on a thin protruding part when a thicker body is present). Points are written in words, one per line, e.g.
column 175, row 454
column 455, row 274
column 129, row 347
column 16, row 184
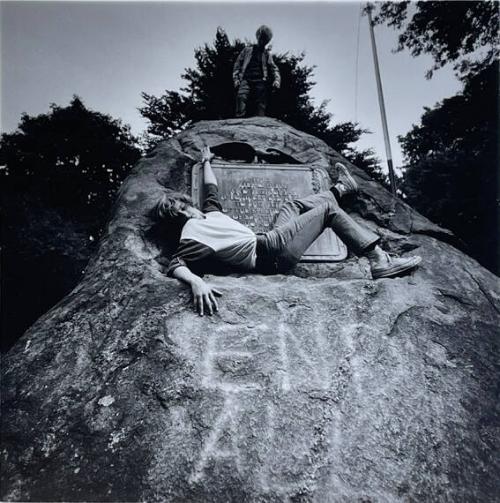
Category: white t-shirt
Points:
column 217, row 236
column 232, row 242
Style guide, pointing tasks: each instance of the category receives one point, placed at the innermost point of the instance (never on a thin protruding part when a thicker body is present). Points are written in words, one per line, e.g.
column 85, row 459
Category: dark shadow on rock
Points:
column 243, row 152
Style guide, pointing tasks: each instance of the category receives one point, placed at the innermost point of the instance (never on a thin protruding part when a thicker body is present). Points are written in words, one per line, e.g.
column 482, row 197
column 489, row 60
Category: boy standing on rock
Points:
column 252, row 71
column 208, row 235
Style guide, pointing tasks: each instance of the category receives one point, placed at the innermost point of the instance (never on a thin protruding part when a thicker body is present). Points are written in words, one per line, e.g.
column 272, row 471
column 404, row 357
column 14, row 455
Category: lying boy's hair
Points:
column 264, row 30
column 170, row 204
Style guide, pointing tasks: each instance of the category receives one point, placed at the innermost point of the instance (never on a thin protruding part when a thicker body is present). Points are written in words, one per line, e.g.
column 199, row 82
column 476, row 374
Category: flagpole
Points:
column 385, row 129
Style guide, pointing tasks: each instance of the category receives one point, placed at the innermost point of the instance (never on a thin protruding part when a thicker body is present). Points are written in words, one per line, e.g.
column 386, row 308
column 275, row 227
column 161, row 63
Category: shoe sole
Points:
column 348, row 175
column 397, row 270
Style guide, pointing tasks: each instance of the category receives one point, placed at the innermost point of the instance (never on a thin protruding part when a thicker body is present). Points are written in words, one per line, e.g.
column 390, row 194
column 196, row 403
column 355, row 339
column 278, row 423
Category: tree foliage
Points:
column 463, row 33
column 452, row 170
column 71, row 156
column 209, row 94
column 59, row 172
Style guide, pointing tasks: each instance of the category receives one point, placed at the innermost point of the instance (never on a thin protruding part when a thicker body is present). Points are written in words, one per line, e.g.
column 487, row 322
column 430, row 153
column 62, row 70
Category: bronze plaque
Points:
column 254, row 193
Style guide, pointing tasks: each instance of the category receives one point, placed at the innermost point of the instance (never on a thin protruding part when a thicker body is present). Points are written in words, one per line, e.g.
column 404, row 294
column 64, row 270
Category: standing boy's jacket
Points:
column 268, row 65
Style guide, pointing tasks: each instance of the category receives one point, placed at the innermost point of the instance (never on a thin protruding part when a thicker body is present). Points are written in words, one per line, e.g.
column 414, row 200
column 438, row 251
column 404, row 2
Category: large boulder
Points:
column 322, row 385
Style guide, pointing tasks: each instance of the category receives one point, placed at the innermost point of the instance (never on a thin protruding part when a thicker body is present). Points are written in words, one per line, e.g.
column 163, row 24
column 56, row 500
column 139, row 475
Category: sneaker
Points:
column 392, row 266
column 347, row 183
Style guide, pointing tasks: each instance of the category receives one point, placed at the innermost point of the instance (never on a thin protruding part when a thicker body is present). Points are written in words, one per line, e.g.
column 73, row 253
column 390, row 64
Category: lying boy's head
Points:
column 176, row 207
column 264, row 35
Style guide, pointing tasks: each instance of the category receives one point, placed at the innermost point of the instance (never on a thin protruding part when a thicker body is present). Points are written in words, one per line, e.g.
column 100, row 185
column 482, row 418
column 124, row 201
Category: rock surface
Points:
column 320, row 386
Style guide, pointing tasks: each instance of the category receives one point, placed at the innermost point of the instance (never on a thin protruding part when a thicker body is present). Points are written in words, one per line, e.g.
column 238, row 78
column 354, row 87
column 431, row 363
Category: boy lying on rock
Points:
column 209, row 235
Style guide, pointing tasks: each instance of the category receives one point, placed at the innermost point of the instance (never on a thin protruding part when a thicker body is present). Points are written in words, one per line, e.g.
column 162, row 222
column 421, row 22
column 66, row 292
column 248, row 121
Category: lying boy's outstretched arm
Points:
column 211, row 194
column 208, row 174
column 203, row 294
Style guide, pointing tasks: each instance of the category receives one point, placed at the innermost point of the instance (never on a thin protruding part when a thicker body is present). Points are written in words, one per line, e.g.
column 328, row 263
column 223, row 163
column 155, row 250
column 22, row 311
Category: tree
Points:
column 463, row 33
column 209, row 94
column 72, row 156
column 59, row 173
column 452, row 169
column 451, row 156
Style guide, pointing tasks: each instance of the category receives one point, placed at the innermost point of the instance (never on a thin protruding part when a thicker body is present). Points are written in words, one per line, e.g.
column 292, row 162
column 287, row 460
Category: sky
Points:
column 109, row 52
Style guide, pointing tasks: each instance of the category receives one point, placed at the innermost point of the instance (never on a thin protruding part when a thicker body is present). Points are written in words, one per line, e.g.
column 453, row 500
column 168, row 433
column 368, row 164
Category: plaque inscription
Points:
column 253, row 194
column 255, row 202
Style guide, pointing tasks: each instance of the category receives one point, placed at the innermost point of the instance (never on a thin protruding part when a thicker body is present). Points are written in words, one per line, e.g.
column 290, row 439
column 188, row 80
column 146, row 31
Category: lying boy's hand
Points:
column 206, row 154
column 204, row 295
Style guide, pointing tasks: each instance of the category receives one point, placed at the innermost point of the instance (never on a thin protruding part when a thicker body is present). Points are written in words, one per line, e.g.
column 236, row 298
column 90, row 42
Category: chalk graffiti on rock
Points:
column 238, row 359
column 252, row 369
column 221, row 443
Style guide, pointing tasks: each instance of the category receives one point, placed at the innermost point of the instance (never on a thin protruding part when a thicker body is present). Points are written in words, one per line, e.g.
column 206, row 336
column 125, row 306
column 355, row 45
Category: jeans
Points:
column 256, row 91
column 299, row 224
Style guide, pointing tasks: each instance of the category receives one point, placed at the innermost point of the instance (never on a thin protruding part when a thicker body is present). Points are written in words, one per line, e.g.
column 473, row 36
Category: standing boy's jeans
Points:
column 299, row 224
column 255, row 92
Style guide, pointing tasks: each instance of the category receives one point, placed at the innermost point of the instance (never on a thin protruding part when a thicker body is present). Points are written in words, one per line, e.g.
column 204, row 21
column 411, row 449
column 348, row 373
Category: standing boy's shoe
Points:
column 345, row 182
column 387, row 266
